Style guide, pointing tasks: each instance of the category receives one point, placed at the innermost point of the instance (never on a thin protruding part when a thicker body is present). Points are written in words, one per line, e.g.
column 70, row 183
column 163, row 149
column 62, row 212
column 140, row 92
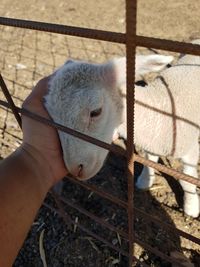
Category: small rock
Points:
column 20, row 66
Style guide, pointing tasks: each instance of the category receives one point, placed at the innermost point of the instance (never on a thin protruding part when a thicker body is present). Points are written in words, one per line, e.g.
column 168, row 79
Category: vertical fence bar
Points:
column 131, row 7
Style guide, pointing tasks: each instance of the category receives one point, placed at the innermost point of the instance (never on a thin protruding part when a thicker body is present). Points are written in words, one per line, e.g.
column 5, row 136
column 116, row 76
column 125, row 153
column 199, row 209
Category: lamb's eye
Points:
column 95, row 113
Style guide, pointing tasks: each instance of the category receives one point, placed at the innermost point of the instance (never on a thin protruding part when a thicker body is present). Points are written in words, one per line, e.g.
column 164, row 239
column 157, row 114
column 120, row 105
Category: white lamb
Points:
column 90, row 98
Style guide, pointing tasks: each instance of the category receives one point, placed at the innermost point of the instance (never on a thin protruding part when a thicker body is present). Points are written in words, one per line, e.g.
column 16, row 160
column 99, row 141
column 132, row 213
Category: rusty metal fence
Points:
column 131, row 40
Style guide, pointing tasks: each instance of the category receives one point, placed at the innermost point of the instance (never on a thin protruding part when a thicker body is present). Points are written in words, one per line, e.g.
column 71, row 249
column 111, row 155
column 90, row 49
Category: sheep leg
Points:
column 147, row 177
column 191, row 197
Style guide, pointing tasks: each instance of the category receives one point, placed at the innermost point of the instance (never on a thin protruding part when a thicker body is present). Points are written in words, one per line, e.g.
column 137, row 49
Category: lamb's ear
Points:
column 151, row 63
column 114, row 72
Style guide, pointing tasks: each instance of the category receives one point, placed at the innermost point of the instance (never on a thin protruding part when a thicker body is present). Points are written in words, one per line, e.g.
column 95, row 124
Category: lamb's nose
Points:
column 80, row 170
column 77, row 171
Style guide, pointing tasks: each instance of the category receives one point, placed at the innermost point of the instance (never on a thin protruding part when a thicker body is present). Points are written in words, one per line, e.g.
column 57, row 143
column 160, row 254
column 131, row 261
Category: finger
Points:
column 36, row 96
column 41, row 88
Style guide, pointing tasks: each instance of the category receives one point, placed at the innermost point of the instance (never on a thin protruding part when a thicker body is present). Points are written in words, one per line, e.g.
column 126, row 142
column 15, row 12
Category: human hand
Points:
column 39, row 140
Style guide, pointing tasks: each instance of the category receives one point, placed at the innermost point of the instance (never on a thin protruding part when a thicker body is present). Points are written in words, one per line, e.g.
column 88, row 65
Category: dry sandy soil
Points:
column 25, row 57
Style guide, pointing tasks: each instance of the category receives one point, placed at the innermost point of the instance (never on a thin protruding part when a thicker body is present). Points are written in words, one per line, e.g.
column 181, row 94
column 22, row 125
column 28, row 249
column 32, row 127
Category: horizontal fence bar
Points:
column 64, row 29
column 145, row 215
column 112, row 148
column 168, row 45
column 99, row 192
column 167, row 170
column 115, row 37
column 121, row 251
column 146, row 246
column 89, row 232
column 93, row 217
column 167, row 226
column 138, row 211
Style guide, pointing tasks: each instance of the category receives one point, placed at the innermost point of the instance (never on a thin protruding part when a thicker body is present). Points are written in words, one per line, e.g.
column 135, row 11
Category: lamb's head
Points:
column 87, row 98
column 81, row 96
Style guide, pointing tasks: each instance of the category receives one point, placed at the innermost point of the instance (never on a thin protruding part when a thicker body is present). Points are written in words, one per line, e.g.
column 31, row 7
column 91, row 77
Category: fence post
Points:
column 131, row 7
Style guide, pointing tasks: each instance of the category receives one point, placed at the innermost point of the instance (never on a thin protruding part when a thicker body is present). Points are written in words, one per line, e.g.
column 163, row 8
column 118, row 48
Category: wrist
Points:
column 37, row 164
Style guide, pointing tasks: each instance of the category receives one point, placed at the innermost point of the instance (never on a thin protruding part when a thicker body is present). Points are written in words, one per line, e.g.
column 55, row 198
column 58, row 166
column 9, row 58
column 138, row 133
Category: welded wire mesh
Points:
column 131, row 40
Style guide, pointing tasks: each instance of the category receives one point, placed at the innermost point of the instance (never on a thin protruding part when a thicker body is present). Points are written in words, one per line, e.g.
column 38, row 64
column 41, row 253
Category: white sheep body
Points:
column 157, row 128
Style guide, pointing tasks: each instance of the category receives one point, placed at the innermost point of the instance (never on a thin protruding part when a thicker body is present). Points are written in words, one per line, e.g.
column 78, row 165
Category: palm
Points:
column 44, row 139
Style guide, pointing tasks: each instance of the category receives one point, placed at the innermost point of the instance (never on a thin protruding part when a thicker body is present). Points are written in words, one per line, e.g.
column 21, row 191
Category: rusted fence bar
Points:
column 112, row 148
column 97, row 237
column 167, row 170
column 139, row 212
column 167, row 226
column 131, row 13
column 64, row 29
column 102, row 144
column 65, row 129
column 95, row 218
column 99, row 192
column 168, row 45
column 118, row 249
column 115, row 37
column 90, row 232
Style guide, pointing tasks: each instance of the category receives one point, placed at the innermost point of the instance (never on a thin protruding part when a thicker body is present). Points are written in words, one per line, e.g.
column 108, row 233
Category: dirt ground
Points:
column 25, row 57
